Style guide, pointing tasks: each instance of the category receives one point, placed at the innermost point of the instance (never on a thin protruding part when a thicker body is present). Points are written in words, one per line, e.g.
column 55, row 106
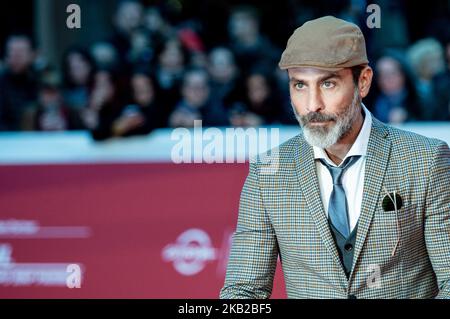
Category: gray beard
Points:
column 324, row 137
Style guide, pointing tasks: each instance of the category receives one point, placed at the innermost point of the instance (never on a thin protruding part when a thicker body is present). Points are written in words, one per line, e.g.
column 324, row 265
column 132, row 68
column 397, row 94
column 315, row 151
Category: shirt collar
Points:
column 359, row 147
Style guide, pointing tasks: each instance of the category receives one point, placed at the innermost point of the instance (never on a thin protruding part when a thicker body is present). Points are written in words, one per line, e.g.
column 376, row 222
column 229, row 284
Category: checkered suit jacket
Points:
column 281, row 214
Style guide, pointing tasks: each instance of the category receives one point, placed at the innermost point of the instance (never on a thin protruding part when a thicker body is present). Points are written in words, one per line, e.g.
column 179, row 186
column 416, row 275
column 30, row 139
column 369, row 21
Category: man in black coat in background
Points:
column 18, row 83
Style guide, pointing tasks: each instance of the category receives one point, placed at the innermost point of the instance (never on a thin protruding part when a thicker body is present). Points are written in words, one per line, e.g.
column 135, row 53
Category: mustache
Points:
column 316, row 117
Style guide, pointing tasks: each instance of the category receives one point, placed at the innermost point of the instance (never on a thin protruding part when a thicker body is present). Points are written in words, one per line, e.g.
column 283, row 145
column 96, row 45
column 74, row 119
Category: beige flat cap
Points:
column 326, row 43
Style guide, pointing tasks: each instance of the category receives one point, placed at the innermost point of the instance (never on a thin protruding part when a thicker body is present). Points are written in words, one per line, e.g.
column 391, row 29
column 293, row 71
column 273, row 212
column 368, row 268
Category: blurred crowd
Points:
column 152, row 73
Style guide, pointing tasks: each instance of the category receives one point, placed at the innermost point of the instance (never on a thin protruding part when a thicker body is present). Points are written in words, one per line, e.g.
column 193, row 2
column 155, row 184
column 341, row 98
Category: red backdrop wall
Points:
column 136, row 230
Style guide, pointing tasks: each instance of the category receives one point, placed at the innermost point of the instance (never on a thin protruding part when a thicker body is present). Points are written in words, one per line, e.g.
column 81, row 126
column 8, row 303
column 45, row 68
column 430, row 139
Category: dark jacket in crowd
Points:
column 440, row 111
column 17, row 94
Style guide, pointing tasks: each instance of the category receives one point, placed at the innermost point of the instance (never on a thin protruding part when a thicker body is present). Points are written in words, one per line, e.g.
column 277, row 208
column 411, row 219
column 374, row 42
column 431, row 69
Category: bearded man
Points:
column 356, row 208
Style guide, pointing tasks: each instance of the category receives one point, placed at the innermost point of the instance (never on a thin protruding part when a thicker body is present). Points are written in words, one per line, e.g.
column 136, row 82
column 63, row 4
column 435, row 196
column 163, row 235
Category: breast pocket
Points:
column 391, row 229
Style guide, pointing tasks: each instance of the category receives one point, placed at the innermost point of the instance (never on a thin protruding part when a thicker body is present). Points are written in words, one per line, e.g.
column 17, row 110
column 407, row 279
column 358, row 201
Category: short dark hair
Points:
column 356, row 72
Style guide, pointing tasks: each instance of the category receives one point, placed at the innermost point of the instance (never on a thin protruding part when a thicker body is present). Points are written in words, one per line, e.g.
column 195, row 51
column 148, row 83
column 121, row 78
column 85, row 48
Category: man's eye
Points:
column 299, row 85
column 328, row 84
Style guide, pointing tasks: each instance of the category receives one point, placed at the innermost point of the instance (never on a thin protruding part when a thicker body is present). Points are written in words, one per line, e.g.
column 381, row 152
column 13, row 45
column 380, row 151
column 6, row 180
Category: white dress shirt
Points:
column 353, row 178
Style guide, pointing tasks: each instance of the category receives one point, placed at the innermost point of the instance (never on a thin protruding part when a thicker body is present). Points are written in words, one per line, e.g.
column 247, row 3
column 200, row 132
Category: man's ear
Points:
column 365, row 80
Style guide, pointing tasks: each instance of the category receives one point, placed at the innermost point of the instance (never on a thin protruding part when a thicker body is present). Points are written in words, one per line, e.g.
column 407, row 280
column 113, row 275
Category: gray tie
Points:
column 337, row 206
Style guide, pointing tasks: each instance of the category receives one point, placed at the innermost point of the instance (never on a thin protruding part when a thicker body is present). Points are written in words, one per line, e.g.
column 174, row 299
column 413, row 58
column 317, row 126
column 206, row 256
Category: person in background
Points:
column 426, row 58
column 395, row 99
column 50, row 113
column 261, row 104
column 250, row 47
column 18, row 82
column 144, row 114
column 141, row 48
column 196, row 103
column 441, row 89
column 127, row 20
column 78, row 70
column 104, row 105
column 171, row 59
column 224, row 75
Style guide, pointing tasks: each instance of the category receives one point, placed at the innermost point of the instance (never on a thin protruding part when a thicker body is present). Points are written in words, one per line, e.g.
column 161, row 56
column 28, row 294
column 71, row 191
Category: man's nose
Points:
column 315, row 103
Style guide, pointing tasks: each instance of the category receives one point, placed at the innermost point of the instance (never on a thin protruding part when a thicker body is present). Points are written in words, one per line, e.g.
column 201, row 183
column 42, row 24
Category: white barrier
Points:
column 78, row 146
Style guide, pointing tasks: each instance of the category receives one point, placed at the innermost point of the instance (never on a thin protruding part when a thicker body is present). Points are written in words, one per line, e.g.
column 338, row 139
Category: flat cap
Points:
column 326, row 43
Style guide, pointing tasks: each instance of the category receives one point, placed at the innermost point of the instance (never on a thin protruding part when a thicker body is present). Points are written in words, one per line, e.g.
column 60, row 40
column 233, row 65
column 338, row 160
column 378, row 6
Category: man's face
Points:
column 325, row 103
column 221, row 65
column 79, row 68
column 143, row 91
column 258, row 90
column 391, row 79
column 19, row 55
column 129, row 16
column 196, row 89
column 242, row 26
column 172, row 56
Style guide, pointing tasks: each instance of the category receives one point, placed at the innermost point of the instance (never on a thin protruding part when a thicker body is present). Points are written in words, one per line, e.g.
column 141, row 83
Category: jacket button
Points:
column 351, row 297
column 348, row 247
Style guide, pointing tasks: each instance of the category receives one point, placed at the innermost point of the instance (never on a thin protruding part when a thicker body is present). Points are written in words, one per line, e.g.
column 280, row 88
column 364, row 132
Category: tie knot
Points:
column 336, row 172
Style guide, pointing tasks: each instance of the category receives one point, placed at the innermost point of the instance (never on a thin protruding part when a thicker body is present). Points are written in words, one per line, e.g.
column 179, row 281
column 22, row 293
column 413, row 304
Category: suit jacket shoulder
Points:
column 410, row 142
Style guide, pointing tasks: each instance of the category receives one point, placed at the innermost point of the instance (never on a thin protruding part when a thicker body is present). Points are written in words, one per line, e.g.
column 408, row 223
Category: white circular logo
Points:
column 191, row 252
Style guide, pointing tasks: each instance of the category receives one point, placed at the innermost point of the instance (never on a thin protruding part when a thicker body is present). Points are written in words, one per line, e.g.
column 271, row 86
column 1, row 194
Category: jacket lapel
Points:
column 378, row 153
column 309, row 185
